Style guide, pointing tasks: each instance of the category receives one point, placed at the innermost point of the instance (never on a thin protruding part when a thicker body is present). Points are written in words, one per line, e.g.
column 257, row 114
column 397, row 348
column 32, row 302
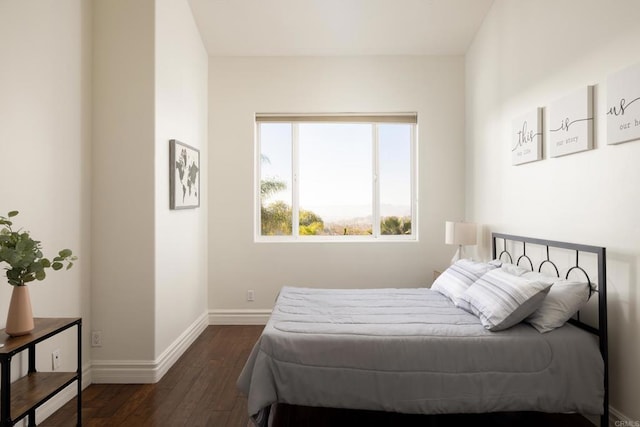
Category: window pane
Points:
column 335, row 171
column 275, row 179
column 395, row 179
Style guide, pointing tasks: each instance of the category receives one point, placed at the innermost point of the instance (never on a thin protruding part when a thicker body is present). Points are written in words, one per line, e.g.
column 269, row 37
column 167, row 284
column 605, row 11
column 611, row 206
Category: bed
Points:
column 413, row 350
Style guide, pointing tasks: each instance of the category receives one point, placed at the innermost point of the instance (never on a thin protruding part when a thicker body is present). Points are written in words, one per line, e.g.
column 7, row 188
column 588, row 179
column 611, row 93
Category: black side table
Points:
column 24, row 396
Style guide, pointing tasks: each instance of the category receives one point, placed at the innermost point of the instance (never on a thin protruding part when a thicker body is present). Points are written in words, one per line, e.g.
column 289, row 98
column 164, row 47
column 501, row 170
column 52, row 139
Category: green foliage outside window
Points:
column 392, row 225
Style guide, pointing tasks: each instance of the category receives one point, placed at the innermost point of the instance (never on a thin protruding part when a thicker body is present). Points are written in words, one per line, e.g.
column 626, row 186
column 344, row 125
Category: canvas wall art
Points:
column 571, row 123
column 526, row 138
column 623, row 105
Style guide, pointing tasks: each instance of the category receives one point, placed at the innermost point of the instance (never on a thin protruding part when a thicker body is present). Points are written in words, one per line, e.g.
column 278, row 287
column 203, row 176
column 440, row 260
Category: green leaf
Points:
column 35, row 267
column 13, row 274
column 45, row 263
column 69, row 265
column 12, row 214
column 40, row 275
column 22, row 246
column 65, row 253
column 56, row 266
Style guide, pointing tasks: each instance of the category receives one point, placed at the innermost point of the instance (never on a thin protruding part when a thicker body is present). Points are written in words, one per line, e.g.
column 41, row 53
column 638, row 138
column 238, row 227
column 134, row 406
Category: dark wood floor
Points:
column 199, row 390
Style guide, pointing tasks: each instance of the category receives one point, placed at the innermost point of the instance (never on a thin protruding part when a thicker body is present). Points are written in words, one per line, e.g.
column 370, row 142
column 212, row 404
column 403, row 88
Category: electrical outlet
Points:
column 250, row 295
column 96, row 339
column 55, row 359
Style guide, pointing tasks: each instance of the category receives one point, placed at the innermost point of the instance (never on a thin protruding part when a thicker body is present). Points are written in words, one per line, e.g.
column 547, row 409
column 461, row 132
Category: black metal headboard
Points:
column 600, row 287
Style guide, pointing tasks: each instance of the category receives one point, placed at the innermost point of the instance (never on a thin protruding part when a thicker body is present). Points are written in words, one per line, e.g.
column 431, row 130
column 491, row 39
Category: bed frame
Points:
column 599, row 287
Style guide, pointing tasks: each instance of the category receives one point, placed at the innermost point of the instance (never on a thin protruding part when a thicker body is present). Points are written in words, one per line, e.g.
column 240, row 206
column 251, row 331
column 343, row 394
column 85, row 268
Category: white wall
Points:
column 150, row 269
column 526, row 55
column 181, row 113
column 45, row 151
column 90, row 98
column 123, row 228
column 240, row 87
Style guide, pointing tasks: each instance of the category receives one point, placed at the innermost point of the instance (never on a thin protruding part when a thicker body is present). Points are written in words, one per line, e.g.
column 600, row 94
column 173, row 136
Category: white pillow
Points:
column 457, row 278
column 564, row 299
column 501, row 299
column 514, row 269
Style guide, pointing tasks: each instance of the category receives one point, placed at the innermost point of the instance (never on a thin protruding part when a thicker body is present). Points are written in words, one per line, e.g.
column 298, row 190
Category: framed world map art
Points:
column 184, row 176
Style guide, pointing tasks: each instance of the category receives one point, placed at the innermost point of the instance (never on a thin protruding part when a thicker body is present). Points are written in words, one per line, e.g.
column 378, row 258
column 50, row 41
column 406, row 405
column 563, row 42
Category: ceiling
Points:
column 338, row 27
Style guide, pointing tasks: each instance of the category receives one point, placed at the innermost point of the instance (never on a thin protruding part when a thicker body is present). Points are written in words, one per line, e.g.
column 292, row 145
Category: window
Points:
column 338, row 177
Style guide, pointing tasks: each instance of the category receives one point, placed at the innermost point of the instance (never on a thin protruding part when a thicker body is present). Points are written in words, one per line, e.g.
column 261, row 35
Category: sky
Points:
column 336, row 167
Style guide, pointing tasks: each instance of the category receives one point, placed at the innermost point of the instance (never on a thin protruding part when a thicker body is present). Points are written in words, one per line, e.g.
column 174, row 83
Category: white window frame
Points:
column 372, row 119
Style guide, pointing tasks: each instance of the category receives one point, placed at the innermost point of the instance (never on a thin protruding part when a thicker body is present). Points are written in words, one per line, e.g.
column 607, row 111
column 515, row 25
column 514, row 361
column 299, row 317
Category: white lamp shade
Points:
column 460, row 233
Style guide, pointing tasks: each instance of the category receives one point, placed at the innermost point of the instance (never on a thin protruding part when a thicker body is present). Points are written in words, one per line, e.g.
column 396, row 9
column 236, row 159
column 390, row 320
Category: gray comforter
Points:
column 413, row 351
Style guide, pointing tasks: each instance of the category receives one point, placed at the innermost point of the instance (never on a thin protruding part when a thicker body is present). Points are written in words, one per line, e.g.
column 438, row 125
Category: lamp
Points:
column 460, row 233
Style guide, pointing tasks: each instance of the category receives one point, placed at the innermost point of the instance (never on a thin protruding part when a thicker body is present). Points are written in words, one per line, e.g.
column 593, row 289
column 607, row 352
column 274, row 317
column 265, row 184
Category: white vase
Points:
column 20, row 316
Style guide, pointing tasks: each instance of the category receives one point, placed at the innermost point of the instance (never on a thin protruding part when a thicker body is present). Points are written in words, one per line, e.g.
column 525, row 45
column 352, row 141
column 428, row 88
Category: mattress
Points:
column 413, row 351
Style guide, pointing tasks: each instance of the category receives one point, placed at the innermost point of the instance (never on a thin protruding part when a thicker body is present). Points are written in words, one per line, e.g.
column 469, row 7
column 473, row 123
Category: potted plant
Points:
column 25, row 263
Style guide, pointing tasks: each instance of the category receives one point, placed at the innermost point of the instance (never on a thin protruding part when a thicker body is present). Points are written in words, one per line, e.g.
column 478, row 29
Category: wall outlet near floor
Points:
column 251, row 295
column 55, row 359
column 96, row 339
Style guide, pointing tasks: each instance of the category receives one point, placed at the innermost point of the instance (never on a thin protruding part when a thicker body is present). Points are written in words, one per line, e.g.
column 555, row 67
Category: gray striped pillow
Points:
column 456, row 279
column 502, row 300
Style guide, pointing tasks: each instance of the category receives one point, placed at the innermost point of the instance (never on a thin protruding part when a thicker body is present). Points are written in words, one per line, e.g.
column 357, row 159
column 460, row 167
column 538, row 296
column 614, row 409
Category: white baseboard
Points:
column 180, row 345
column 218, row 316
column 56, row 402
column 61, row 399
column 617, row 418
column 147, row 371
